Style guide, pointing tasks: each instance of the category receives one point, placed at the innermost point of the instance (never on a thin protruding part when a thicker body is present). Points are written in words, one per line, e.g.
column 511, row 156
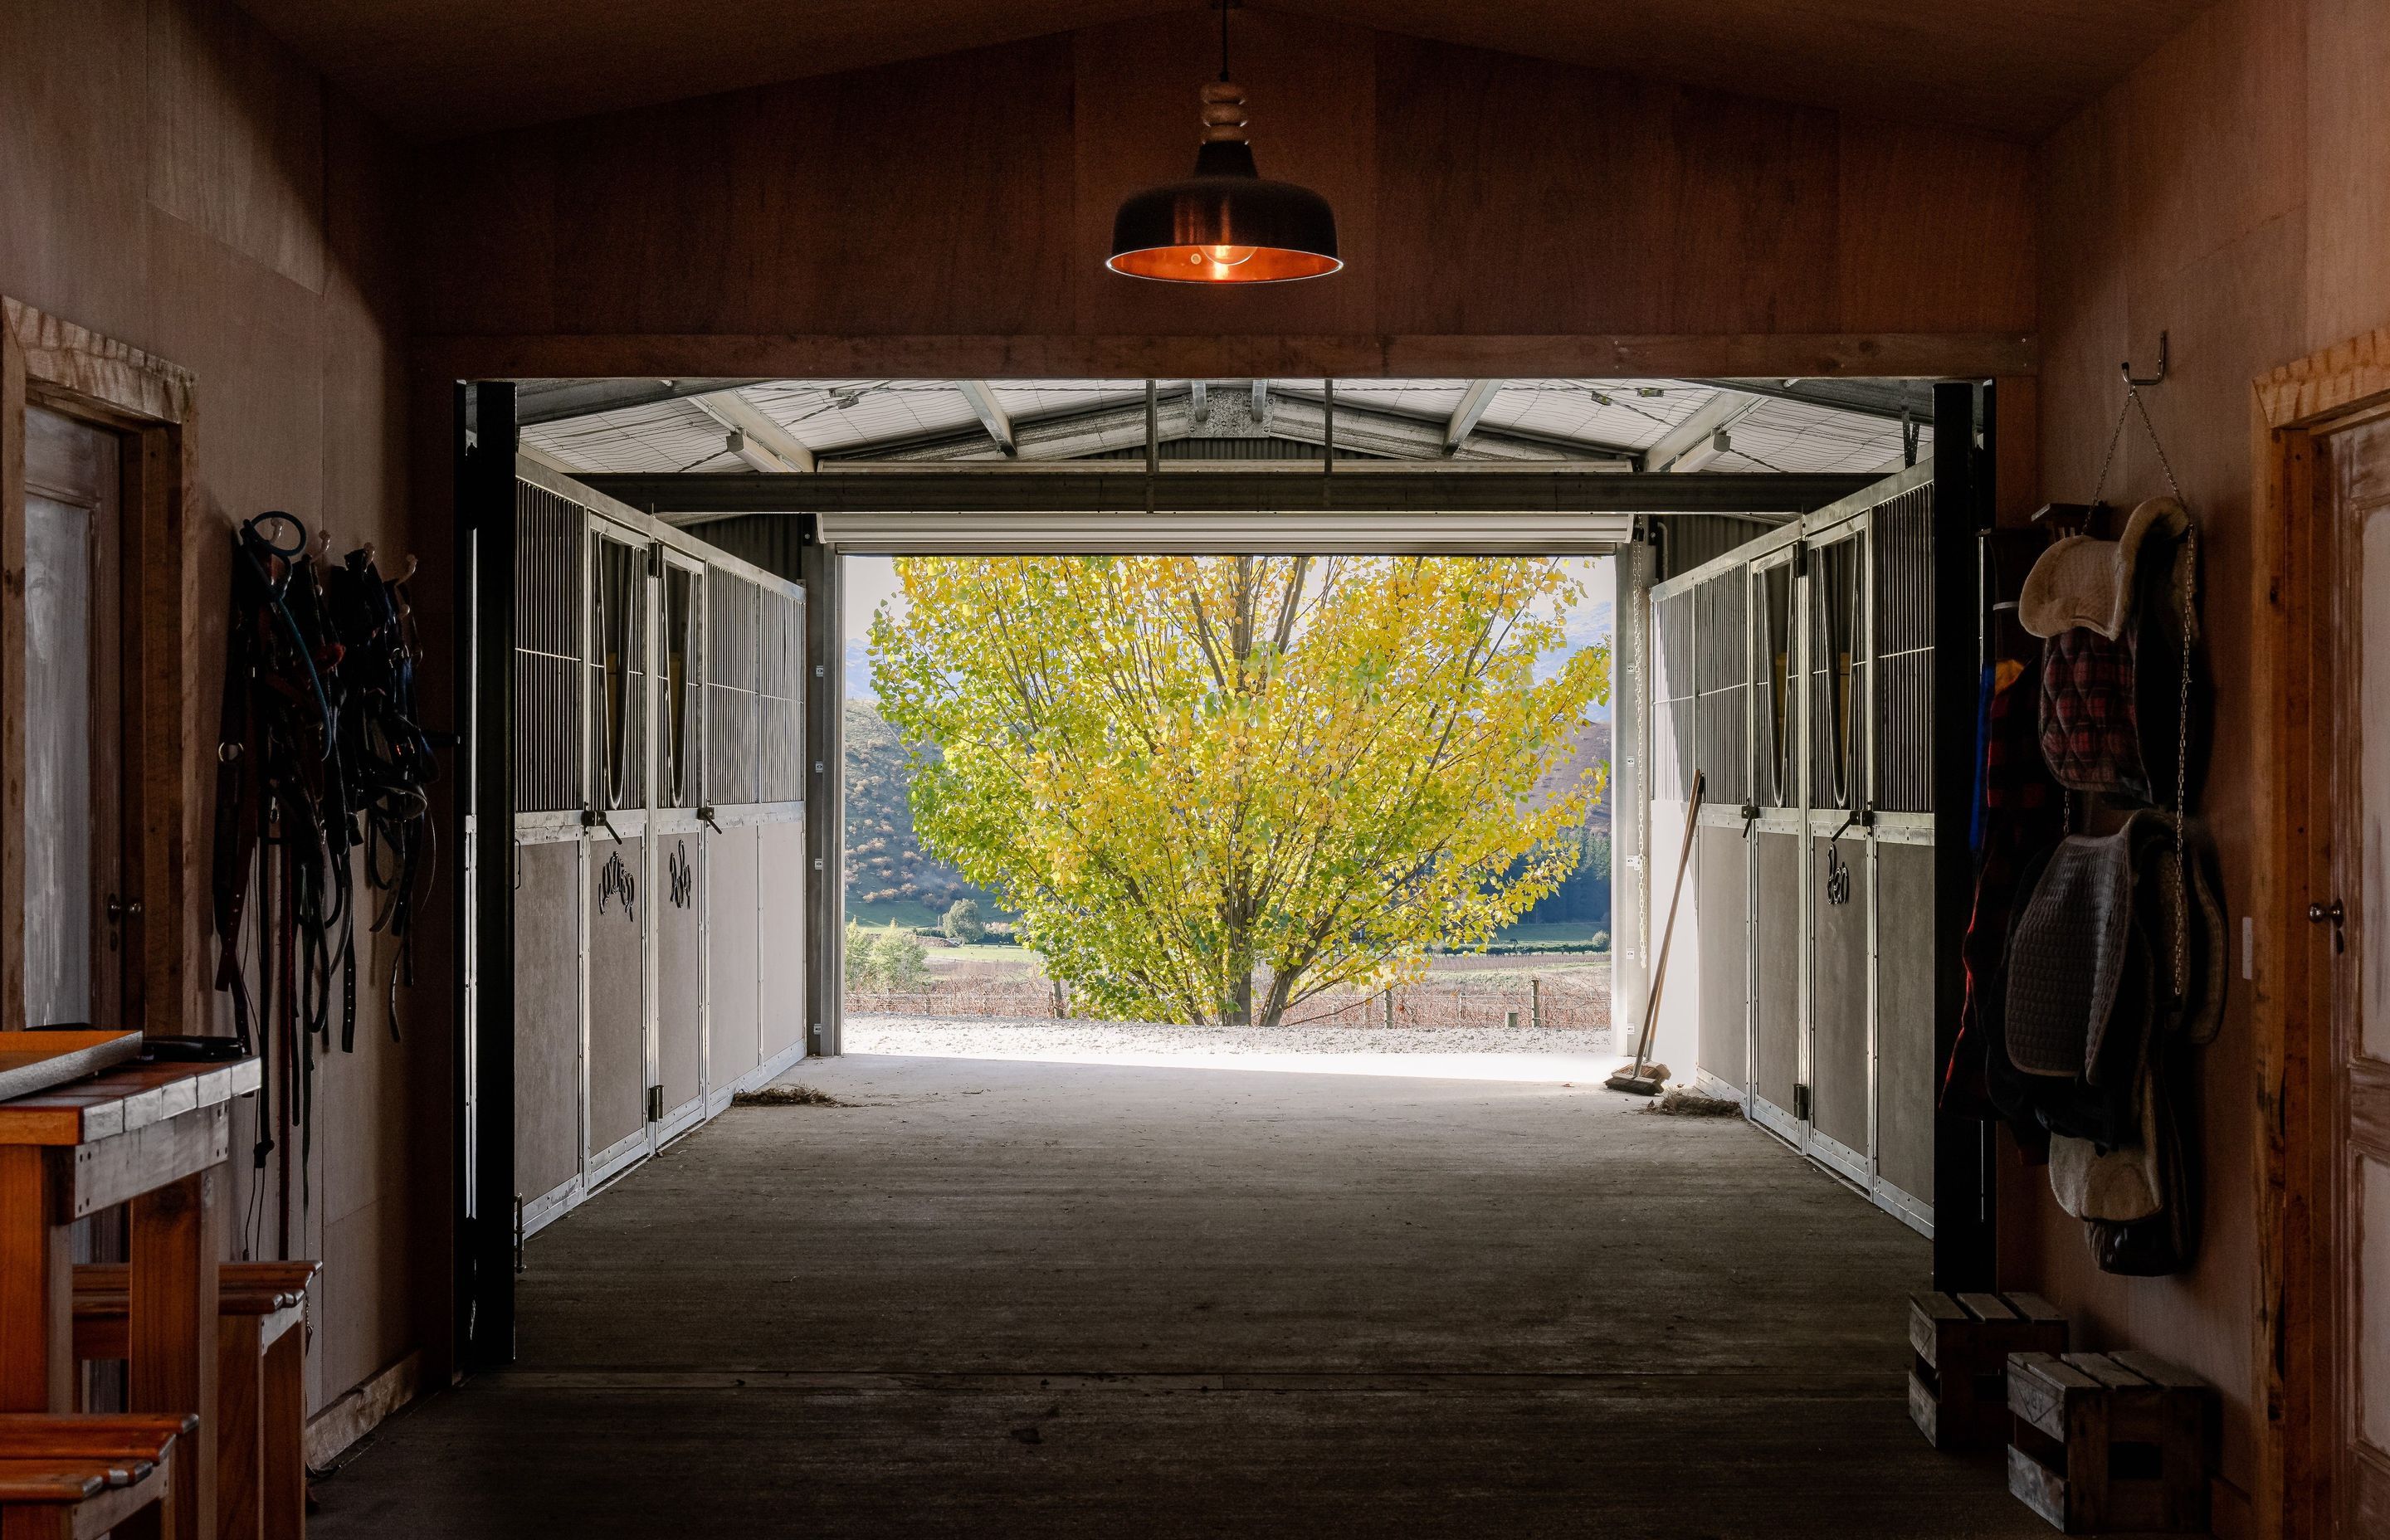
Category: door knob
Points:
column 2335, row 914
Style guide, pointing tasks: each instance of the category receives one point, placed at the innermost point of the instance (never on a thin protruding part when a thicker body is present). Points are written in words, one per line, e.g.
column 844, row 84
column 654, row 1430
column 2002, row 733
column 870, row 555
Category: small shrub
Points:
column 963, row 925
column 862, row 956
column 1601, row 940
column 900, row 964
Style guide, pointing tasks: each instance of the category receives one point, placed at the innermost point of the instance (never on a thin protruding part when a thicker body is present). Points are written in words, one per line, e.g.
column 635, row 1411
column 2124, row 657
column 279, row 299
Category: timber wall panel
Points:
column 2228, row 192
column 970, row 196
column 178, row 181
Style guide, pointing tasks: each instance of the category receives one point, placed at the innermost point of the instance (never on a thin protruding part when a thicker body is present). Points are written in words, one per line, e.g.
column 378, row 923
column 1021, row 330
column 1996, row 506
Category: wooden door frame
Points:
column 49, row 363
column 2292, row 592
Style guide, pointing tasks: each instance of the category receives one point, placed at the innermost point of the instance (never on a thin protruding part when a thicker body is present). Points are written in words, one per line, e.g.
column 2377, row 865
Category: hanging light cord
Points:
column 1224, row 39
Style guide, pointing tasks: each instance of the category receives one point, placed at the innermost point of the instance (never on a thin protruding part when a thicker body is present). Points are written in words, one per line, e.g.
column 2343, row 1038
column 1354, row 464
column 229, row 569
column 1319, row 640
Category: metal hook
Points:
column 2125, row 368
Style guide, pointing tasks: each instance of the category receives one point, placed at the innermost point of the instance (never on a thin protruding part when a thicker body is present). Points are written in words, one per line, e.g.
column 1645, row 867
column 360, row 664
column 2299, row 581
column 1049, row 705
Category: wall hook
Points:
column 2125, row 368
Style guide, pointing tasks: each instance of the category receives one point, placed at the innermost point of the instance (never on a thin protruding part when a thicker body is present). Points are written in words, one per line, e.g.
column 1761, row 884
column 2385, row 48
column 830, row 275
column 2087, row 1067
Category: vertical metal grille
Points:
column 1779, row 702
column 1904, row 648
column 1838, row 674
column 1721, row 678
column 780, row 699
column 1672, row 698
column 730, row 627
column 618, row 673
column 547, row 650
column 680, row 708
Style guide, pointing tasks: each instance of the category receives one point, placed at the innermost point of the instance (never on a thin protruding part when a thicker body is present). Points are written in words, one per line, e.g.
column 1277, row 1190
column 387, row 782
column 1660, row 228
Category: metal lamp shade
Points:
column 1225, row 226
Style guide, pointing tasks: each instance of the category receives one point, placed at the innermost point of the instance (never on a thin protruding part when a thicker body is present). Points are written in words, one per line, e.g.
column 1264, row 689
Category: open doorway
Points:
column 1344, row 812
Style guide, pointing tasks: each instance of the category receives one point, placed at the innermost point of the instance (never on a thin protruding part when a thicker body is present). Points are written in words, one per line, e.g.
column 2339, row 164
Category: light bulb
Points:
column 1224, row 256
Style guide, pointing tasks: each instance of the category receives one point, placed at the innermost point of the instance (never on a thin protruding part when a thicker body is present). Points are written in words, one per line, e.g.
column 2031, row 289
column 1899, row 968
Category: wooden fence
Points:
column 1565, row 1002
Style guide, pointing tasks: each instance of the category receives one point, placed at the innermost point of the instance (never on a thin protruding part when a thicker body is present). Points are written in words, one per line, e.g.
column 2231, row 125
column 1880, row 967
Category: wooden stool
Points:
column 261, row 1385
column 2111, row 1442
column 67, row 1475
column 1957, row 1383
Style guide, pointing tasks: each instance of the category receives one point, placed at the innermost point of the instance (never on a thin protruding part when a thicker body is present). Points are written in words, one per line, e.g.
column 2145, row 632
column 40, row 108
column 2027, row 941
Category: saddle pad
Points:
column 2067, row 954
column 2090, row 736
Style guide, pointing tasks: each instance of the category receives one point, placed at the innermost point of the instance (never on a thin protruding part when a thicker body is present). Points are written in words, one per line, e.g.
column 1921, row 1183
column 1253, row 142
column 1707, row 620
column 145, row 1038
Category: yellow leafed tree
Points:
column 1214, row 786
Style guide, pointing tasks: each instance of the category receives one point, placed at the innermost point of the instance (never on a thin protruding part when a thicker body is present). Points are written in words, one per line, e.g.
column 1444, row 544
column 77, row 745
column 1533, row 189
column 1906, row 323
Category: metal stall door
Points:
column 1840, row 888
column 1721, row 850
column 1778, row 913
column 551, row 758
column 676, row 1091
column 618, row 894
column 1902, row 844
column 1676, row 756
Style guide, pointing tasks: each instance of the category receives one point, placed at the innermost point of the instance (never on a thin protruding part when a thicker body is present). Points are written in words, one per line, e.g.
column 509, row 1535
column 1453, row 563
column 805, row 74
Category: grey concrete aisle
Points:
column 1020, row 1299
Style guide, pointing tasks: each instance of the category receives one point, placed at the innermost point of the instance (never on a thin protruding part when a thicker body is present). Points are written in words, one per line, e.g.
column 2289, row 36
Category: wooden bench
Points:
column 72, row 1475
column 2111, row 1442
column 1957, row 1378
column 261, row 1385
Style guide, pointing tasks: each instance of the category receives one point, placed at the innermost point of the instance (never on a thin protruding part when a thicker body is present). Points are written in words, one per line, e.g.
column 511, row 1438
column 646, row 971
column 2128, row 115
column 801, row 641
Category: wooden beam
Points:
column 1029, row 356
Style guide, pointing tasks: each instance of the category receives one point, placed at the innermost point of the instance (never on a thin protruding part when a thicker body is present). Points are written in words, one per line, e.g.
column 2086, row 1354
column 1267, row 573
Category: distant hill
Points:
column 888, row 876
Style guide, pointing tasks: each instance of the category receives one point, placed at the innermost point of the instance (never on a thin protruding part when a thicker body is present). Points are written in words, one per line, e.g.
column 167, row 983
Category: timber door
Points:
column 79, row 940
column 2354, row 912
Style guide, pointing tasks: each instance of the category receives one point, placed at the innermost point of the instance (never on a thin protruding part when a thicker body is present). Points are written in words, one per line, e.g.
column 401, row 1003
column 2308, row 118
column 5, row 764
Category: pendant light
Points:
column 1225, row 224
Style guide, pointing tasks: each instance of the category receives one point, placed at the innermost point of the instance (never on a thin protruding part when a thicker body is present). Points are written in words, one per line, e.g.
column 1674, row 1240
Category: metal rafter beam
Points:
column 1474, row 401
column 1687, row 446
column 991, row 413
column 765, row 443
column 1112, row 486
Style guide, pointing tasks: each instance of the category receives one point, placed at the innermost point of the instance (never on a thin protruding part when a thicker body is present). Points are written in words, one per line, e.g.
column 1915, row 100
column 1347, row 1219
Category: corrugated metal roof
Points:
column 848, row 417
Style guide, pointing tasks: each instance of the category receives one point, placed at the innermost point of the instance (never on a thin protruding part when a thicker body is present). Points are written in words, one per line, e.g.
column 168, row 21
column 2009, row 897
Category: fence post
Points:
column 1535, row 999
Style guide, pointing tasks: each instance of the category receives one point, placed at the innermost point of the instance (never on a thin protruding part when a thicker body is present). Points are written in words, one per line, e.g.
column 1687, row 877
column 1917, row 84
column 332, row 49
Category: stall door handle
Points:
column 2334, row 914
column 120, row 911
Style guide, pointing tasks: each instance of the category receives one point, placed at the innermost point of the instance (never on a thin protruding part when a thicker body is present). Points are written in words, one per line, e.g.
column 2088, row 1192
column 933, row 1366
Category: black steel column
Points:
column 824, row 798
column 1965, row 1252
column 485, row 509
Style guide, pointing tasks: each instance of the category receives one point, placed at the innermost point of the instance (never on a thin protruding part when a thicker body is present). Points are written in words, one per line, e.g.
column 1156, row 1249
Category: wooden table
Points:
column 155, row 1137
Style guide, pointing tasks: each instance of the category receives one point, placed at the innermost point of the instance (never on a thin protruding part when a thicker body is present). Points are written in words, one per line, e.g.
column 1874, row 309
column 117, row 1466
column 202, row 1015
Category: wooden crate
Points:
column 2111, row 1443
column 1958, row 1381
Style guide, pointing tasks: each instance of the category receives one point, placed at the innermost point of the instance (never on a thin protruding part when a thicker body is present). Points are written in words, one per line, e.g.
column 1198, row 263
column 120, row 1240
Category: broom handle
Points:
column 1668, row 933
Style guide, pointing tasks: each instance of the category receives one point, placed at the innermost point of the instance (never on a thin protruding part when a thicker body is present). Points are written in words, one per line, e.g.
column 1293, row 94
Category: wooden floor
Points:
column 1006, row 1298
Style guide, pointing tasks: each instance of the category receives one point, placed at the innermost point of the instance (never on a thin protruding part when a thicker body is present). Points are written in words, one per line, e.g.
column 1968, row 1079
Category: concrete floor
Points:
column 1000, row 1298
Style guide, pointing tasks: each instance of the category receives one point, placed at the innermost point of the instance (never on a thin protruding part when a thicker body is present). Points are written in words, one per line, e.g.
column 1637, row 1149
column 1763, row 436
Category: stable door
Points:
column 81, row 924
column 2356, row 915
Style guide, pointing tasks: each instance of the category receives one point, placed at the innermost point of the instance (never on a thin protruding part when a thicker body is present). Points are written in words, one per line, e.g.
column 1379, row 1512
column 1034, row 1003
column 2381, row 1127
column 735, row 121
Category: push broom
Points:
column 1646, row 1078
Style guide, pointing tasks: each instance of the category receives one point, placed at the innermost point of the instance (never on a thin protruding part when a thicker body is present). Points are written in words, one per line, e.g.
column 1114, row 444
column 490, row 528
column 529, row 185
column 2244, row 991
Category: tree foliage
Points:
column 1214, row 786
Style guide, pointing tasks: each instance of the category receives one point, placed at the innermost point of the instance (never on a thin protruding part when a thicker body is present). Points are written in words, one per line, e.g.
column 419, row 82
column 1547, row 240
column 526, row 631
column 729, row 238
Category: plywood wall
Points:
column 2231, row 194
column 172, row 177
column 1479, row 196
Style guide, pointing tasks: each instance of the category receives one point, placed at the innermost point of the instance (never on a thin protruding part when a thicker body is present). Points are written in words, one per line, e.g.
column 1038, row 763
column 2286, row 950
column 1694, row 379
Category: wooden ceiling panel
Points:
column 439, row 68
